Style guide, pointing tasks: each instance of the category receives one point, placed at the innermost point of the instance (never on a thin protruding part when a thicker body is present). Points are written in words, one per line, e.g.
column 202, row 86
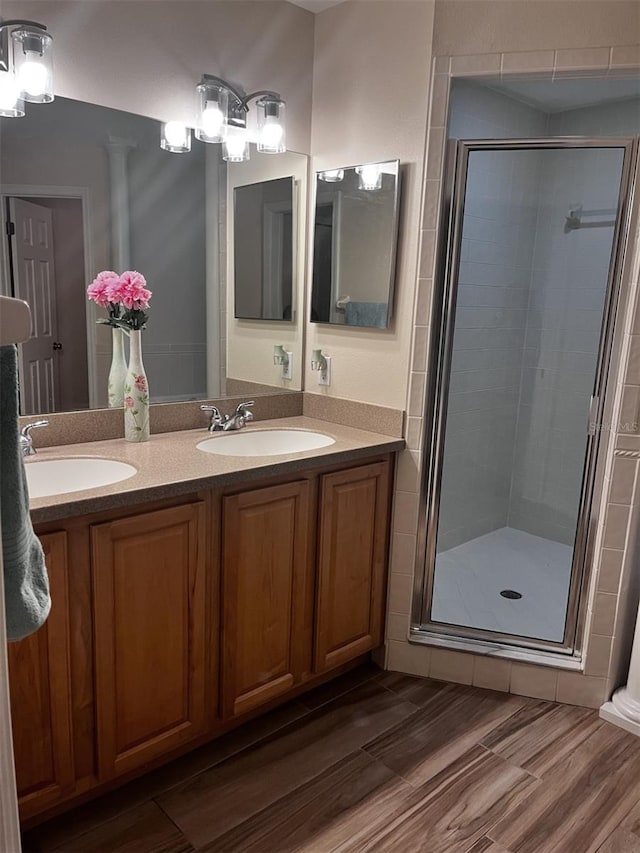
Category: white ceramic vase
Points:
column 118, row 371
column 136, row 394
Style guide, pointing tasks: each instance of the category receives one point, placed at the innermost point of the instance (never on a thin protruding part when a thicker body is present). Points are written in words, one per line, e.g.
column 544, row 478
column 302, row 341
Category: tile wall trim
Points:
column 525, row 679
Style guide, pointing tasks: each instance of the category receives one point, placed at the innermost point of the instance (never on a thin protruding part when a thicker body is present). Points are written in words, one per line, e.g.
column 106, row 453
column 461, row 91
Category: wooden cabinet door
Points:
column 352, row 561
column 267, row 594
column 40, row 690
column 149, row 622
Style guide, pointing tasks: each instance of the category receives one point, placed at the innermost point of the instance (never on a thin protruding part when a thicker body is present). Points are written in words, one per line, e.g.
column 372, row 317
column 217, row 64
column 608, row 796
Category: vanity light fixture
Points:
column 222, row 117
column 332, row 176
column 369, row 176
column 175, row 137
column 26, row 66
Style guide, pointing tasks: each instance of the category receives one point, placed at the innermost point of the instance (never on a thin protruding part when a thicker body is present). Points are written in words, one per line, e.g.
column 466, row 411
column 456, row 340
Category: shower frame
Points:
column 423, row 628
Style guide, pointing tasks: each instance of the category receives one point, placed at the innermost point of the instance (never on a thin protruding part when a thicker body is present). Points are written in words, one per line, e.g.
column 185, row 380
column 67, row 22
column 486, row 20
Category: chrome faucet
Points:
column 240, row 418
column 225, row 423
column 26, row 439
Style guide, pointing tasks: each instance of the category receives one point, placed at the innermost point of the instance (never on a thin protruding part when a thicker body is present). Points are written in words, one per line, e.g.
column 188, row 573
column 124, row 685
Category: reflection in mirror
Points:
column 263, row 250
column 355, row 231
column 101, row 193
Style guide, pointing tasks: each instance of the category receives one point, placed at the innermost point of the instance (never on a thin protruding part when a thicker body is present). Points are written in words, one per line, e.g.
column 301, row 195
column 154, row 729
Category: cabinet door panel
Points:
column 149, row 611
column 267, row 594
column 40, row 690
column 352, row 559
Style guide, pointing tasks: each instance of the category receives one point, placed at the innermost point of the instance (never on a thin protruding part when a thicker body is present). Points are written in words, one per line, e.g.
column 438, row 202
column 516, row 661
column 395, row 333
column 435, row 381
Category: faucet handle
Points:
column 216, row 417
column 242, row 410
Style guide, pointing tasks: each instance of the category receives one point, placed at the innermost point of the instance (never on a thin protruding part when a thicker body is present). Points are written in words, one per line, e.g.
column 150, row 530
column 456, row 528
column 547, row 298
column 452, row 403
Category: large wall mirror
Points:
column 97, row 182
column 354, row 248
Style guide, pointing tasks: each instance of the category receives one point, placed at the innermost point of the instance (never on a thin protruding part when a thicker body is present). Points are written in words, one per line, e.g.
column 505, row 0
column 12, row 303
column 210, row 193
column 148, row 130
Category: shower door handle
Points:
column 594, row 404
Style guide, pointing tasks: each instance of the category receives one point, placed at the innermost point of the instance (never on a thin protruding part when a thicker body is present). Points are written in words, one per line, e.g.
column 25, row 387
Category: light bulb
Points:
column 271, row 134
column 32, row 76
column 8, row 92
column 235, row 148
column 175, row 133
column 212, row 119
column 370, row 176
column 175, row 137
column 271, row 125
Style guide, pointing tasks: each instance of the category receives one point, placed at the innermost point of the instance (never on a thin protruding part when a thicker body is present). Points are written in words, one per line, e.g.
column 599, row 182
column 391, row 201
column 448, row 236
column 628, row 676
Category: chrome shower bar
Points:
column 573, row 222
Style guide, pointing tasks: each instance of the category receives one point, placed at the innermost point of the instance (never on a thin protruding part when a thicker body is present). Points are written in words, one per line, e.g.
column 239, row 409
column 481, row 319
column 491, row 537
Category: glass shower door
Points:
column 524, row 346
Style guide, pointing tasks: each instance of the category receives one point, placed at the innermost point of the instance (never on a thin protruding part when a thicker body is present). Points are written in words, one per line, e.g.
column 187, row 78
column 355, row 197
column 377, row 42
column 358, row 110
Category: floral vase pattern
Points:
column 136, row 394
column 118, row 371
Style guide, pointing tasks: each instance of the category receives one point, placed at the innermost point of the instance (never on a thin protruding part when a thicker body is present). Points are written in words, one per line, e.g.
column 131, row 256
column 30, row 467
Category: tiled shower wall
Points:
column 564, row 319
column 616, row 548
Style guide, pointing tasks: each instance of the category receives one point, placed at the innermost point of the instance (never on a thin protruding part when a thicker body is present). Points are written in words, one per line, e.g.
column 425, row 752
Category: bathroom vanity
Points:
column 191, row 598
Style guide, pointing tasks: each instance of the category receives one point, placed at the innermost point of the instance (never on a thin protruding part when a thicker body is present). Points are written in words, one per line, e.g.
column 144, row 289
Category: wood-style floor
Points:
column 384, row 762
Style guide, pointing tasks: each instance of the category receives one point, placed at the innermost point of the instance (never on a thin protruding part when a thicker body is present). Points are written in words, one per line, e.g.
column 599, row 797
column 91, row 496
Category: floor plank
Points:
column 581, row 802
column 447, row 727
column 144, row 829
column 323, row 814
column 230, row 793
column 541, row 735
column 453, row 810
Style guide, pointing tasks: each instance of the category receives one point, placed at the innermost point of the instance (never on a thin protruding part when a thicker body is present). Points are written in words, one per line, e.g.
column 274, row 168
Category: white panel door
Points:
column 32, row 259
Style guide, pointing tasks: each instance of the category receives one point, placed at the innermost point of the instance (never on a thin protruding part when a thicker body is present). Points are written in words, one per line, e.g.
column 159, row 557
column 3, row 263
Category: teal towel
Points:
column 26, row 585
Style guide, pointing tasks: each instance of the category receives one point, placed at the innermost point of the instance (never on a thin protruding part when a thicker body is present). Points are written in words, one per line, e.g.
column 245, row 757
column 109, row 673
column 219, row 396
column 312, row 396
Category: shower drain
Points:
column 510, row 593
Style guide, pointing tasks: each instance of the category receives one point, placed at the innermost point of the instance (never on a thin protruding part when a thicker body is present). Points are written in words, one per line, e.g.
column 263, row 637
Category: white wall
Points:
column 370, row 97
column 146, row 56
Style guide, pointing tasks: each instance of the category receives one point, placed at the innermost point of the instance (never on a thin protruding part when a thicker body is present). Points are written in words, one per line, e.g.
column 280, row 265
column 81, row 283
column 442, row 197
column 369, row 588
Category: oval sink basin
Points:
column 265, row 442
column 60, row 476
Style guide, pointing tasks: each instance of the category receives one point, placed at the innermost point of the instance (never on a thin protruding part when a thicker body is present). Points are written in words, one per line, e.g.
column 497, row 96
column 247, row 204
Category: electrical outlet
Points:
column 287, row 369
column 324, row 376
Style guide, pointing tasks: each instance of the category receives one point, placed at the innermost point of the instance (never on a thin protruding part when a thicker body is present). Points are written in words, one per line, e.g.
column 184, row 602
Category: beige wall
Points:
column 492, row 26
column 370, row 94
column 146, row 56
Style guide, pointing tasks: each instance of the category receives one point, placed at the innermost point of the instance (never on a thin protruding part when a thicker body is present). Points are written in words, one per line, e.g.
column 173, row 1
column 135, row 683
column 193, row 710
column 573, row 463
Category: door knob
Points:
column 57, row 345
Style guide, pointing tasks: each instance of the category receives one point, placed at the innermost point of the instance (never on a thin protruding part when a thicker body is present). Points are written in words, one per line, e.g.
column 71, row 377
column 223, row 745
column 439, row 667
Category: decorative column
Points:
column 119, row 184
column 624, row 708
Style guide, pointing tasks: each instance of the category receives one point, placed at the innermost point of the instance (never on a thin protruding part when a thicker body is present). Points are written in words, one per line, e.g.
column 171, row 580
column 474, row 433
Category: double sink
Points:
column 60, row 476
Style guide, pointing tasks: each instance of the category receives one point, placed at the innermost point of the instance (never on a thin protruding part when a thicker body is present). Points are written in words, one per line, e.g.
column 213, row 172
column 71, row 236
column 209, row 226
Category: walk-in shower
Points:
column 521, row 345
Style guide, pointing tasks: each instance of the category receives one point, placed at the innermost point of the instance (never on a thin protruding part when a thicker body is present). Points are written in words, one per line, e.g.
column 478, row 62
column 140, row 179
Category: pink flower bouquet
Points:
column 125, row 296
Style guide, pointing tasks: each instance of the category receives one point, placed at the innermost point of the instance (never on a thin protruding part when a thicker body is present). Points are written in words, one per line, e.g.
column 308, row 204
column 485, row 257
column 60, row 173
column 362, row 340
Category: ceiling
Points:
column 559, row 95
column 316, row 6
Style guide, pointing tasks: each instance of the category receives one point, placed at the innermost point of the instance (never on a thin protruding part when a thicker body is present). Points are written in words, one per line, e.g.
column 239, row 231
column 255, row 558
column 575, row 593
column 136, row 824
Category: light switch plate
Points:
column 324, row 376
